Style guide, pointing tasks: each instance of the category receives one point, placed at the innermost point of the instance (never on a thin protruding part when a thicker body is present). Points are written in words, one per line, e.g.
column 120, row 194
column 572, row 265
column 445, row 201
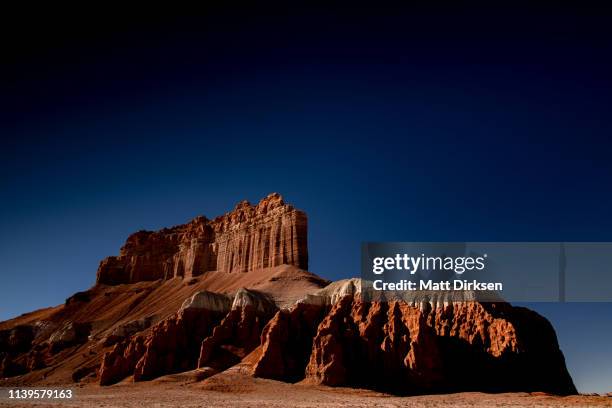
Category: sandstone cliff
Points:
column 170, row 346
column 414, row 348
column 247, row 304
column 269, row 234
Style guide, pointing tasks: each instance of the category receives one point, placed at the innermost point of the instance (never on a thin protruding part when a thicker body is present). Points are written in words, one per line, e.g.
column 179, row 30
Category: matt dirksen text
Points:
column 422, row 263
column 456, row 284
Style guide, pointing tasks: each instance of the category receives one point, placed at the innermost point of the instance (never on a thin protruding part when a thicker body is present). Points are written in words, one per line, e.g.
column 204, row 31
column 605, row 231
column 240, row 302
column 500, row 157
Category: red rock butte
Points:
column 248, row 238
column 212, row 298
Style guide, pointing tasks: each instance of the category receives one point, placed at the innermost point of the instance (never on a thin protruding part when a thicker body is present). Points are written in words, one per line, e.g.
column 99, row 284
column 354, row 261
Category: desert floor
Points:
column 244, row 391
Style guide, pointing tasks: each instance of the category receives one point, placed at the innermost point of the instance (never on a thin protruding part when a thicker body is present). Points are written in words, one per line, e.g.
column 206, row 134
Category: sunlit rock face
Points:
column 421, row 345
column 268, row 234
column 258, row 311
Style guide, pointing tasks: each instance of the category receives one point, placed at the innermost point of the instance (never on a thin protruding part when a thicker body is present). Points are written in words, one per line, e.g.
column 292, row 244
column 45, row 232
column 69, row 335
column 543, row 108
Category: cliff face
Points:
column 278, row 322
column 269, row 234
column 407, row 348
column 208, row 331
column 375, row 345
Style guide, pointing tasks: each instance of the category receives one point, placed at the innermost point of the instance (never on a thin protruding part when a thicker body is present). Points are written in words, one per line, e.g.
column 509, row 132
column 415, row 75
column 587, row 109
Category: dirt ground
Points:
column 235, row 390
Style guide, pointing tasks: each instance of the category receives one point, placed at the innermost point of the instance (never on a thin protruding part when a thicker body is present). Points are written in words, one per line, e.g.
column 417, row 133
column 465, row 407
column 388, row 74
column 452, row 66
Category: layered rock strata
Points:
column 25, row 348
column 376, row 345
column 337, row 335
column 238, row 333
column 286, row 342
column 268, row 234
column 168, row 347
column 210, row 330
column 415, row 348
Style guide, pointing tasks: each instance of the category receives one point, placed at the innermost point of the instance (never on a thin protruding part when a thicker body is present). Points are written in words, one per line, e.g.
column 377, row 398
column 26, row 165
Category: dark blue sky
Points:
column 383, row 124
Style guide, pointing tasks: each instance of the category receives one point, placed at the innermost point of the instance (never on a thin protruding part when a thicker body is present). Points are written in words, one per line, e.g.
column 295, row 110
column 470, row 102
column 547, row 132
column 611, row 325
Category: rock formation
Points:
column 121, row 360
column 170, row 346
column 17, row 339
column 413, row 348
column 286, row 342
column 247, row 301
column 125, row 330
column 250, row 237
column 238, row 333
column 378, row 345
column 69, row 334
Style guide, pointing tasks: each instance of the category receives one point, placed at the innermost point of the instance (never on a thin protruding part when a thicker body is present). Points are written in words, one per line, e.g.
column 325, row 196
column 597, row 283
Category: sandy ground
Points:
column 235, row 390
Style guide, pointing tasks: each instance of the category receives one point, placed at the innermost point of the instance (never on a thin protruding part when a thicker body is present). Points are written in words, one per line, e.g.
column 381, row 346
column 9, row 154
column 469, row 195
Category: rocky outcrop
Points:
column 260, row 303
column 17, row 339
column 375, row 345
column 126, row 330
column 170, row 346
column 402, row 348
column 238, row 333
column 338, row 335
column 70, row 334
column 13, row 365
column 204, row 300
column 286, row 342
column 250, row 237
column 121, row 360
column 333, row 337
column 20, row 352
column 497, row 347
column 332, row 293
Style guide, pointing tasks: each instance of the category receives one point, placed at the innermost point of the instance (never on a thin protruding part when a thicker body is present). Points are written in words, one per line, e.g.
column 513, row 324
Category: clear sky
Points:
column 383, row 124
